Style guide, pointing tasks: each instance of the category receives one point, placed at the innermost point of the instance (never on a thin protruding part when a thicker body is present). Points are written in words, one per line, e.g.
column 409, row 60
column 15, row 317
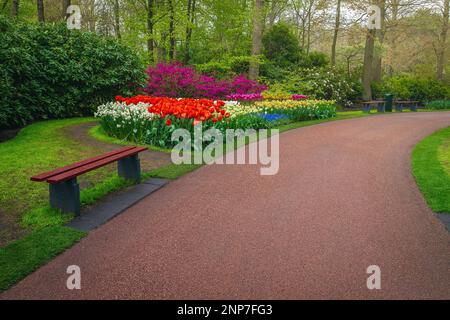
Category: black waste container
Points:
column 388, row 102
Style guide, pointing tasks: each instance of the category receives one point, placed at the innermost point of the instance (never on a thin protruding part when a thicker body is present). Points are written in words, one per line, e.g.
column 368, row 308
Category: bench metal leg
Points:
column 399, row 107
column 414, row 108
column 130, row 168
column 65, row 196
column 366, row 108
column 381, row 107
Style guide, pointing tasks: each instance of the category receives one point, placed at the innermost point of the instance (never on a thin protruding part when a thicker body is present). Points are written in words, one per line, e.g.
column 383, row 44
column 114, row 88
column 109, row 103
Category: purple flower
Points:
column 244, row 97
column 299, row 97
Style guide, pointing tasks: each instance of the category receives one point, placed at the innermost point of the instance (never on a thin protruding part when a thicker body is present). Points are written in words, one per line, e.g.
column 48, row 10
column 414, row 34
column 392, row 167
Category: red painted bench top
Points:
column 76, row 169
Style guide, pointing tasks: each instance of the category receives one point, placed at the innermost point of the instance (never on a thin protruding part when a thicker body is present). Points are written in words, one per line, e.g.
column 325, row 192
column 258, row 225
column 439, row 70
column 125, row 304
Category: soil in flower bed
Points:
column 9, row 229
column 149, row 159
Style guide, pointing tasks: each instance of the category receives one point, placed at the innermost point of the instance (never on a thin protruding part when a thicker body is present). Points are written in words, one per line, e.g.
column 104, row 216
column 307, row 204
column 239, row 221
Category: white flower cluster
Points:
column 123, row 112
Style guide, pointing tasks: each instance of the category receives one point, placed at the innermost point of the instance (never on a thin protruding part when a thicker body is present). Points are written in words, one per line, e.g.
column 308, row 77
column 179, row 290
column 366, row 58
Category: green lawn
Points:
column 37, row 148
column 23, row 256
column 431, row 168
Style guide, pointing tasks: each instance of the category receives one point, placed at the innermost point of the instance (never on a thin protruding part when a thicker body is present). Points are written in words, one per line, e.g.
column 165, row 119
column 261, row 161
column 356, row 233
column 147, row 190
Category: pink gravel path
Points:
column 344, row 199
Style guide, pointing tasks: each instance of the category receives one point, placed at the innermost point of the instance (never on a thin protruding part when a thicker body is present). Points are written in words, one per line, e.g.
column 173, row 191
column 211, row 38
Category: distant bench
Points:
column 399, row 105
column 63, row 186
column 412, row 105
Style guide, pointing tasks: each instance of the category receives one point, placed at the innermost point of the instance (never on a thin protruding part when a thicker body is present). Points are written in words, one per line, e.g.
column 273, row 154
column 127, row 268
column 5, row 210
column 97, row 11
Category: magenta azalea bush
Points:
column 175, row 80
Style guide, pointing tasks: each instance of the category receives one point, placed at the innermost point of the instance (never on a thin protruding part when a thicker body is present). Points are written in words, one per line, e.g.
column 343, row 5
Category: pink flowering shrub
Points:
column 176, row 80
column 244, row 97
column 299, row 97
column 242, row 85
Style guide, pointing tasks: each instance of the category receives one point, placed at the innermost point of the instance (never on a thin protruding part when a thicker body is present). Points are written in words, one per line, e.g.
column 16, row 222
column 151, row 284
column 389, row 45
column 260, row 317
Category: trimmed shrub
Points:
column 438, row 105
column 316, row 59
column 407, row 87
column 281, row 46
column 48, row 71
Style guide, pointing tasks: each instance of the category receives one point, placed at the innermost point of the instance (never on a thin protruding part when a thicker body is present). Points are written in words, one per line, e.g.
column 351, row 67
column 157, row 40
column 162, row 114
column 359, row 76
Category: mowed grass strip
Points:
column 431, row 169
column 23, row 256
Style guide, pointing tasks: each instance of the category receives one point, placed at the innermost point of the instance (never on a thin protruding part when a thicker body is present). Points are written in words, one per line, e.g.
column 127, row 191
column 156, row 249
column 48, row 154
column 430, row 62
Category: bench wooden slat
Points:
column 79, row 170
column 46, row 175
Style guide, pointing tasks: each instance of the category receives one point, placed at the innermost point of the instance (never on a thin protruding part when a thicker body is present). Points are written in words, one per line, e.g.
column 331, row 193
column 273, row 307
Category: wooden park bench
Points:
column 63, row 186
column 412, row 105
column 379, row 104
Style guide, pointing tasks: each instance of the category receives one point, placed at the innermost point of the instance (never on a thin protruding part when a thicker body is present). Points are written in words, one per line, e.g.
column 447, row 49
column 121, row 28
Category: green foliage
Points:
column 281, row 46
column 321, row 83
column 409, row 87
column 438, row 105
column 217, row 69
column 316, row 59
column 48, row 71
column 228, row 67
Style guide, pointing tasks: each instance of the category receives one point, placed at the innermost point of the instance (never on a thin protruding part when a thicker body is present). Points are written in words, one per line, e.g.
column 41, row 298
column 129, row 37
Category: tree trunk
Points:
column 15, row 8
column 377, row 67
column 65, row 5
column 308, row 45
column 150, row 24
column 368, row 63
column 256, row 38
column 171, row 31
column 393, row 37
column 117, row 19
column 336, row 32
column 40, row 11
column 442, row 43
column 190, row 21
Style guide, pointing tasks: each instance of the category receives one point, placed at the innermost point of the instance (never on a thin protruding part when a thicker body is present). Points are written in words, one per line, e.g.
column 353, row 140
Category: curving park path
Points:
column 344, row 199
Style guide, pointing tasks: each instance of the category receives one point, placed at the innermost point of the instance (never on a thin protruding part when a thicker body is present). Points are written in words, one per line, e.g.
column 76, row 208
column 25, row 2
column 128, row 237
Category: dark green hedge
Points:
column 48, row 71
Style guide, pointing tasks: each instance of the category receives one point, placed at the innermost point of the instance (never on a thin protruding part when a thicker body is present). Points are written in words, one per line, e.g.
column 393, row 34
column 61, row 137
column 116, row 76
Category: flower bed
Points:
column 151, row 120
column 300, row 110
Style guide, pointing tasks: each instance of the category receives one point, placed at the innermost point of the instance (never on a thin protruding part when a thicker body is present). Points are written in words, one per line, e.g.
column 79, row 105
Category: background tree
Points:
column 171, row 29
column 190, row 17
column 15, row 8
column 440, row 52
column 40, row 10
column 256, row 38
column 65, row 5
column 336, row 32
column 281, row 46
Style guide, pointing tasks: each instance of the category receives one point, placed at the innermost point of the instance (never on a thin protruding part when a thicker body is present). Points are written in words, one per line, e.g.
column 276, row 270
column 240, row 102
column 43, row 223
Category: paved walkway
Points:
column 344, row 199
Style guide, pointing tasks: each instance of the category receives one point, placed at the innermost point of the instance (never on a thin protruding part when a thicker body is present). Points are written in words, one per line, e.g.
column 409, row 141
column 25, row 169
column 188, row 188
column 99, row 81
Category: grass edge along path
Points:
column 25, row 255
column 430, row 174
